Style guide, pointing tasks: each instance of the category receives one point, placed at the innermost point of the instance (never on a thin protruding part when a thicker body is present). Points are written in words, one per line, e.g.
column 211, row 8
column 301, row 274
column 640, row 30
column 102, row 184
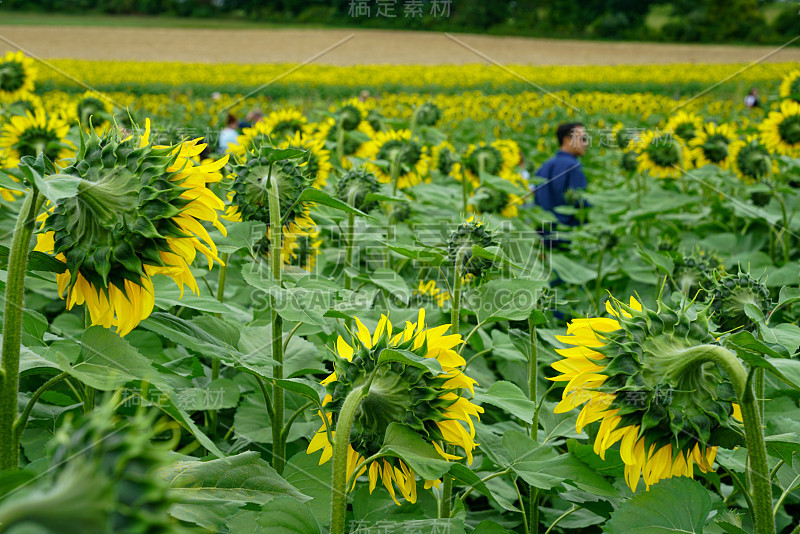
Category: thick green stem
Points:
column 758, row 469
column 464, row 192
column 339, row 143
column 341, row 442
column 12, row 329
column 275, row 257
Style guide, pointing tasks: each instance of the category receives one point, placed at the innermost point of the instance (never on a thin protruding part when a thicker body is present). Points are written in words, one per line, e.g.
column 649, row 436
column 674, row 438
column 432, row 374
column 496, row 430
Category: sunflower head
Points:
column 35, row 133
column 317, row 159
column 17, row 75
column 354, row 186
column 780, row 131
column 445, row 160
column 621, row 136
column 92, row 108
column 459, row 246
column 663, row 156
column 432, row 404
column 401, row 152
column 711, row 145
column 483, row 157
column 136, row 214
column 684, row 125
column 635, row 373
column 429, row 291
column 249, row 199
column 731, row 293
column 790, row 86
column 428, row 114
column 750, row 160
column 350, row 116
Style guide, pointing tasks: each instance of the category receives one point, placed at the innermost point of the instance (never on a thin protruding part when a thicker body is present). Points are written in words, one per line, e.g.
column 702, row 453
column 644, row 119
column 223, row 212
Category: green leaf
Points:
column 37, row 261
column 510, row 300
column 660, row 261
column 383, row 198
column 788, row 295
column 673, row 505
column 241, row 235
column 275, row 155
column 194, row 336
column 283, row 515
column 393, row 283
column 508, row 397
column 570, row 271
column 242, row 478
column 304, row 472
column 495, row 254
column 404, row 443
column 409, row 358
column 57, row 186
column 307, row 388
column 423, row 255
column 167, row 295
column 321, row 197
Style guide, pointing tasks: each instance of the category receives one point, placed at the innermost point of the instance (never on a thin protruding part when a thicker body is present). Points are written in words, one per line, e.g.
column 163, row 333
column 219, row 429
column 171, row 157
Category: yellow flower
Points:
column 124, row 227
column 750, row 160
column 92, row 107
column 790, row 86
column 626, row 372
column 271, row 130
column 34, row 133
column 780, row 131
column 396, row 147
column 710, row 145
column 317, row 161
column 429, row 289
column 684, row 125
column 661, row 154
column 432, row 405
column 499, row 159
column 17, row 76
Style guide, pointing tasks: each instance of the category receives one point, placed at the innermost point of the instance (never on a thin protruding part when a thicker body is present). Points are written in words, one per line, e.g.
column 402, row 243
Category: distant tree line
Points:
column 678, row 20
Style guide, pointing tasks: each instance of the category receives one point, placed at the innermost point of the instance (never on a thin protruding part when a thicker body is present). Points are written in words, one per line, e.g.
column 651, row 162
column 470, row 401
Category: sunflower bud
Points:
column 354, row 186
column 428, row 114
column 751, row 161
column 399, row 211
column 638, row 373
column 694, row 272
column 460, row 244
column 350, row 116
column 731, row 293
column 628, row 161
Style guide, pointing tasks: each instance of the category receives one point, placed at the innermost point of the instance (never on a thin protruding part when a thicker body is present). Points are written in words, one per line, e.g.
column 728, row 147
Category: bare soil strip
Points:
column 365, row 47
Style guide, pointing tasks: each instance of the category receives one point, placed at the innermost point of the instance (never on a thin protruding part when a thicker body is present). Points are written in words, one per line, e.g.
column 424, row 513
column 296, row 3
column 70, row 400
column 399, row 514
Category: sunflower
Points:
column 663, row 156
column 492, row 200
column 711, row 145
column 790, row 86
column 355, row 185
column 271, row 130
column 317, row 158
column 397, row 148
column 460, row 243
column 632, row 373
column 32, row 134
column 750, row 160
column 433, row 405
column 684, row 125
column 620, row 136
column 93, row 108
column 780, row 131
column 249, row 199
column 350, row 114
column 137, row 213
column 17, row 75
column 446, row 161
column 354, row 140
column 499, row 159
column 428, row 289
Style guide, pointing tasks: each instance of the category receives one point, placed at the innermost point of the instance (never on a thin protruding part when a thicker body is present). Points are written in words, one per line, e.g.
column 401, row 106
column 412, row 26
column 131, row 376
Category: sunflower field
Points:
column 355, row 318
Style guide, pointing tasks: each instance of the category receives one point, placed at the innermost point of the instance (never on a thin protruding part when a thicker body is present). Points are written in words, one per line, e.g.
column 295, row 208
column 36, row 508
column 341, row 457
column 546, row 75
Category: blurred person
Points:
column 253, row 117
column 563, row 173
column 752, row 100
column 229, row 134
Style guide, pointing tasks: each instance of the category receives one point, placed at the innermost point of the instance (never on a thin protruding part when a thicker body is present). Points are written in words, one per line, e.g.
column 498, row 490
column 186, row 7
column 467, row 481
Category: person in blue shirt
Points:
column 562, row 173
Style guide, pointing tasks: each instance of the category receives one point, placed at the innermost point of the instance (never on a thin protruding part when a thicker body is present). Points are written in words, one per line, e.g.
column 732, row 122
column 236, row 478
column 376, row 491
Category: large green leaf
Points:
column 673, row 505
column 570, row 271
column 505, row 299
column 409, row 358
column 508, row 397
column 304, row 472
column 393, row 283
column 283, row 515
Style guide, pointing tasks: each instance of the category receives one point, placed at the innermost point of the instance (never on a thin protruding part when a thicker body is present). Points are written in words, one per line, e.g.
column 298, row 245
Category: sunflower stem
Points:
column 88, row 402
column 12, row 329
column 348, row 251
column 598, row 285
column 757, row 470
column 533, row 371
column 275, row 258
column 464, row 192
column 341, row 443
column 22, row 421
column 339, row 143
